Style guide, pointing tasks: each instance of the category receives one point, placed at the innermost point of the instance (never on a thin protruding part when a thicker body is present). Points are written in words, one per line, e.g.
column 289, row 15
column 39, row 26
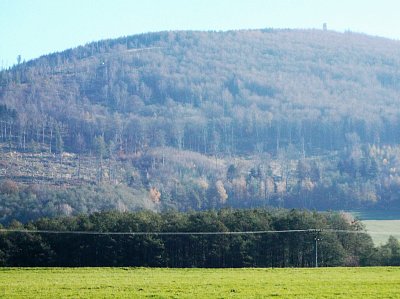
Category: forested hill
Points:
column 260, row 116
column 246, row 90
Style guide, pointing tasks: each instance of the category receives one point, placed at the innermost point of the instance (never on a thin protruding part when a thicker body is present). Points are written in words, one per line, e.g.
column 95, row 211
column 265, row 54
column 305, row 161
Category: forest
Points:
column 348, row 246
column 192, row 120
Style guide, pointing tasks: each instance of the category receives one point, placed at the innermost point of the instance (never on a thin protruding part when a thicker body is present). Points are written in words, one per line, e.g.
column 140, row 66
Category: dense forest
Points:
column 198, row 120
column 290, row 249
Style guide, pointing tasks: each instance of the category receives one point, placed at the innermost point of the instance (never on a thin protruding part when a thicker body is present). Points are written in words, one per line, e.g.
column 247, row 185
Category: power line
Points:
column 315, row 232
column 190, row 233
column 155, row 233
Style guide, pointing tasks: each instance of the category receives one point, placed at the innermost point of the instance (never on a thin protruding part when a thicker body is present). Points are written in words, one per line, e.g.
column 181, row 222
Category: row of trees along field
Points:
column 208, row 119
column 244, row 250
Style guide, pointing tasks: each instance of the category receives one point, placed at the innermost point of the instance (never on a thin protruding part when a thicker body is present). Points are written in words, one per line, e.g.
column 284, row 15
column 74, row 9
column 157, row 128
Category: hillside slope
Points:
column 206, row 119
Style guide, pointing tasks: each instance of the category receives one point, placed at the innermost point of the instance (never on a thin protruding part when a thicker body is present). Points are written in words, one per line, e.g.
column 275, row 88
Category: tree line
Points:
column 242, row 250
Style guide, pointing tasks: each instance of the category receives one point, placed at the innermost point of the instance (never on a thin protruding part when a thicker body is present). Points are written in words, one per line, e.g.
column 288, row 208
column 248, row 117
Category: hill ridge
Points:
column 286, row 115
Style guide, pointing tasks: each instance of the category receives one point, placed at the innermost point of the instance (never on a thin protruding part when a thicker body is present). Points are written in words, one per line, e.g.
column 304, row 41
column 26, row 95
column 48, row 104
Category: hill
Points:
column 194, row 120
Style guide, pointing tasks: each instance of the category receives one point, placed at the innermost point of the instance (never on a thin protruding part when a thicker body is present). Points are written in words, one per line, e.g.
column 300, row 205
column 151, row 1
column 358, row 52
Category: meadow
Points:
column 378, row 282
column 380, row 224
column 380, row 230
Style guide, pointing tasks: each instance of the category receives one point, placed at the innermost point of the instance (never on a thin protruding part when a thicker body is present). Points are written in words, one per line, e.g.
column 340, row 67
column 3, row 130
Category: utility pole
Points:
column 317, row 238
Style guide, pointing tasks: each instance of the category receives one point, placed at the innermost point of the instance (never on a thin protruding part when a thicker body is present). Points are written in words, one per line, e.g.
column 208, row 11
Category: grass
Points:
column 380, row 224
column 363, row 283
column 380, row 230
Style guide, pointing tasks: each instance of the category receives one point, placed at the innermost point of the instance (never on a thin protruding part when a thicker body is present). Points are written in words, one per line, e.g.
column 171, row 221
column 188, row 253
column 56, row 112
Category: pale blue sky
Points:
column 36, row 27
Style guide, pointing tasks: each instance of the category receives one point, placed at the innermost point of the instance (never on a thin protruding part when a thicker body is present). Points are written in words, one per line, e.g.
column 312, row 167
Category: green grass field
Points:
column 380, row 224
column 363, row 283
column 380, row 230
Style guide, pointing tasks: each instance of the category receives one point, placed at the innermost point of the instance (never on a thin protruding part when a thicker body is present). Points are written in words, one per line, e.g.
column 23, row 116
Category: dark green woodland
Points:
column 287, row 249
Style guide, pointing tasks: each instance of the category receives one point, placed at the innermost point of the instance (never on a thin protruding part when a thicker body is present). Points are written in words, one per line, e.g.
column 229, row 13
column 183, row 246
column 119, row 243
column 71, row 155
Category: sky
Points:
column 32, row 28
